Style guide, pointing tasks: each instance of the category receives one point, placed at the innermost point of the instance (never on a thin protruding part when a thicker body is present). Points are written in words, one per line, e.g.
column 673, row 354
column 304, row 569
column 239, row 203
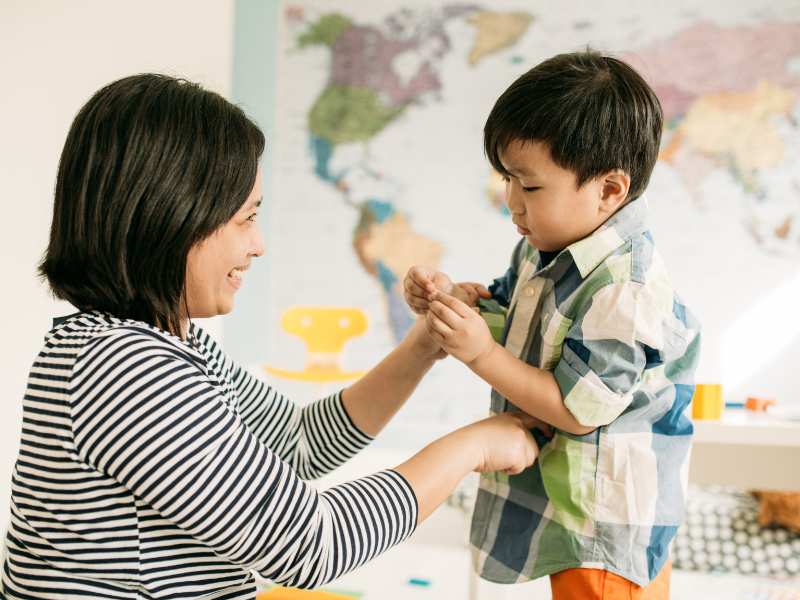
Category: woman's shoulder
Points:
column 211, row 350
column 89, row 333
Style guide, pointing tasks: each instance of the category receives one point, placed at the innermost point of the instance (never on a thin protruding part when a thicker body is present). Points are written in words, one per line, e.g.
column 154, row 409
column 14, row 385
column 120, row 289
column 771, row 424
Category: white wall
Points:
column 54, row 55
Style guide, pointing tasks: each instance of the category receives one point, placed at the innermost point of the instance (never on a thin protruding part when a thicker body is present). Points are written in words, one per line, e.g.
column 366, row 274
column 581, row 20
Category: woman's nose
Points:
column 258, row 243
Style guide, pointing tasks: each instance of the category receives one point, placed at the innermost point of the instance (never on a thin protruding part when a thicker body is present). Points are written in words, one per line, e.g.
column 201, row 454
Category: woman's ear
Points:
column 614, row 190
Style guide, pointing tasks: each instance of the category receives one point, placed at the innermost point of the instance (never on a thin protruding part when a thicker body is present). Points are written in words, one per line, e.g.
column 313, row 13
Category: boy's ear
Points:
column 614, row 190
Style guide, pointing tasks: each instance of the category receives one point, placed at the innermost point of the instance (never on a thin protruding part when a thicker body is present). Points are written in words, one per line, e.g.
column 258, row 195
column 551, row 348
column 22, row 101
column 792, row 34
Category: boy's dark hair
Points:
column 151, row 166
column 594, row 112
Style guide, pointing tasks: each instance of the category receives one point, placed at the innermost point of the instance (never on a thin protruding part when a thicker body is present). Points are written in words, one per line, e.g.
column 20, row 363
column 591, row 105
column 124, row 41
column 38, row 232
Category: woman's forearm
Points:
column 436, row 470
column 374, row 399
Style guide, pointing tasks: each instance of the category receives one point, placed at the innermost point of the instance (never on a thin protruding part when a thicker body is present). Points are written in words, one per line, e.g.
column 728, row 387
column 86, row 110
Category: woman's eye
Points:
column 529, row 189
column 252, row 218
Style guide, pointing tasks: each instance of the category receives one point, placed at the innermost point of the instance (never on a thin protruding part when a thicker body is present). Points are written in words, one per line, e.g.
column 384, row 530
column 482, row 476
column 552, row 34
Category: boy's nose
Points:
column 516, row 208
column 514, row 205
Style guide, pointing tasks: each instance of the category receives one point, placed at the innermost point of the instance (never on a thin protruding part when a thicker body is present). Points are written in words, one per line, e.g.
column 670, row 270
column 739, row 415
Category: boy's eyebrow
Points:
column 519, row 171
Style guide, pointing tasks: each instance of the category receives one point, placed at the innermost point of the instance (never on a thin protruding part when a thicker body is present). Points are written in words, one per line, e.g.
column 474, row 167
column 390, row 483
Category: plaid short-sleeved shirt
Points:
column 604, row 318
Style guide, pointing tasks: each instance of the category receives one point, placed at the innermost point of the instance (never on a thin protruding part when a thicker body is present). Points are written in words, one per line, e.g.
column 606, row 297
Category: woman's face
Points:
column 215, row 267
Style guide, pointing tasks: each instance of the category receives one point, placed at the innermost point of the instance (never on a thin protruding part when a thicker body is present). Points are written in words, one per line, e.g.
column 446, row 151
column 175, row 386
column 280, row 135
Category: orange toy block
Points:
column 757, row 404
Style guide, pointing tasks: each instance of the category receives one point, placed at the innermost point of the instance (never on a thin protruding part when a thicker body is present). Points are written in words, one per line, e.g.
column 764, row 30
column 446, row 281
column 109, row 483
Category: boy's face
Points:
column 545, row 203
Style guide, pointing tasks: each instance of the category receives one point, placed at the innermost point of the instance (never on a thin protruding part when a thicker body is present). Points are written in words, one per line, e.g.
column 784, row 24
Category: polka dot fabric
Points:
column 721, row 534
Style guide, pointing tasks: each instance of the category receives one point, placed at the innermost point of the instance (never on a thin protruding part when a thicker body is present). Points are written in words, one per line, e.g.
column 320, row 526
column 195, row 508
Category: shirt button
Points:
column 529, row 291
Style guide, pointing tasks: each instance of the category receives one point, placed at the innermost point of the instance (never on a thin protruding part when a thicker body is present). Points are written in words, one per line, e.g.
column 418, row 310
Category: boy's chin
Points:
column 533, row 244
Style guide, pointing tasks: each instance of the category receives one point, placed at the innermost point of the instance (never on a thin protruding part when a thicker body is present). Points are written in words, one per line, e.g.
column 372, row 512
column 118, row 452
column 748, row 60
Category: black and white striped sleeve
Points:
column 314, row 439
column 148, row 417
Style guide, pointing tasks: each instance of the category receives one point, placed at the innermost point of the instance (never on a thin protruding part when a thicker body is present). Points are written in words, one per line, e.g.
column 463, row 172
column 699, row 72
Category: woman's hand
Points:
column 458, row 328
column 418, row 285
column 504, row 442
column 421, row 283
column 422, row 344
column 499, row 443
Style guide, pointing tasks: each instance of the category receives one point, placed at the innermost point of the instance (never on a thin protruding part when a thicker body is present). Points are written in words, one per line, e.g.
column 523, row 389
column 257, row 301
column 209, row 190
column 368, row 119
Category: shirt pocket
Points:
column 553, row 332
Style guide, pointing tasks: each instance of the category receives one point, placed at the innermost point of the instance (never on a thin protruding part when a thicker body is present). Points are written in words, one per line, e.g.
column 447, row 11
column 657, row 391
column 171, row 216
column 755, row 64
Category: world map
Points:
column 378, row 161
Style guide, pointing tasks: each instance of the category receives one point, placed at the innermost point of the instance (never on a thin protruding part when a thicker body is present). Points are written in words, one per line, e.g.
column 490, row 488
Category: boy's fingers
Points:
column 438, row 325
column 445, row 313
column 482, row 291
column 453, row 304
column 432, row 331
column 477, row 289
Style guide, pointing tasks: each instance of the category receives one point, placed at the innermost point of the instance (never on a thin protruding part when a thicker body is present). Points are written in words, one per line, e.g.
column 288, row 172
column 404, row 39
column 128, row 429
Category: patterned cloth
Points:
column 722, row 535
column 604, row 318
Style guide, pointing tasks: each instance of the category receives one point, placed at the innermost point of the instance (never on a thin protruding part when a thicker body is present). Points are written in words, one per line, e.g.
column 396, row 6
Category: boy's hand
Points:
column 458, row 328
column 469, row 292
column 421, row 282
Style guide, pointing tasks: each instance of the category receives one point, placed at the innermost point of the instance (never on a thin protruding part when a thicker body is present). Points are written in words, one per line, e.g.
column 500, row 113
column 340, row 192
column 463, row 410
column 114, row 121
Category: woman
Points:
column 151, row 466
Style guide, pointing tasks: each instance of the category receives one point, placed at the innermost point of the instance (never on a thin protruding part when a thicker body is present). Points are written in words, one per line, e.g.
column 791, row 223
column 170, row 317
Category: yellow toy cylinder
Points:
column 707, row 402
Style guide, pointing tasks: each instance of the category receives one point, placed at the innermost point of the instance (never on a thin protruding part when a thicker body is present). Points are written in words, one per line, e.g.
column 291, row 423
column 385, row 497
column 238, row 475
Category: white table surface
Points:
column 746, row 449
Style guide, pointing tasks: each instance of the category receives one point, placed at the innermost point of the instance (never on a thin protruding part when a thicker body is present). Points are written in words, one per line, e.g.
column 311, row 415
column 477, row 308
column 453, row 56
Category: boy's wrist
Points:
column 478, row 364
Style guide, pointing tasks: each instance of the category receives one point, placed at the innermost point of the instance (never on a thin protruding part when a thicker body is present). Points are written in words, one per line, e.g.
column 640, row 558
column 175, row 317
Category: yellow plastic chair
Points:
column 324, row 331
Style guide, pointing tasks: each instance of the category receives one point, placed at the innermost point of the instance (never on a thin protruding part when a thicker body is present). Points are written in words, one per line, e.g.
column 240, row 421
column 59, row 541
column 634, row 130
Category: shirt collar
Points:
column 627, row 223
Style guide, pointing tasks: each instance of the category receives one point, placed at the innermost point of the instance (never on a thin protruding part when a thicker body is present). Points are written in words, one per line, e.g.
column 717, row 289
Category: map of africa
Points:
column 378, row 160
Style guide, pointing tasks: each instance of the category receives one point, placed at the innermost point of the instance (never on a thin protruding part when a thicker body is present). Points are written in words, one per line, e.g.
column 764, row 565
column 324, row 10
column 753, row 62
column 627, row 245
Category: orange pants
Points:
column 596, row 584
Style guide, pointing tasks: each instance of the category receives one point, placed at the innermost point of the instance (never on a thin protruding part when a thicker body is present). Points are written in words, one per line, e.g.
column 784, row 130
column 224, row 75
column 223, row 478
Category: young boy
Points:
column 594, row 341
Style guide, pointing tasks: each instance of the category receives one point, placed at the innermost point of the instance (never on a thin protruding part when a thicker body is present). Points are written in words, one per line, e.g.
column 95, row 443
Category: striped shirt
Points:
column 604, row 318
column 153, row 468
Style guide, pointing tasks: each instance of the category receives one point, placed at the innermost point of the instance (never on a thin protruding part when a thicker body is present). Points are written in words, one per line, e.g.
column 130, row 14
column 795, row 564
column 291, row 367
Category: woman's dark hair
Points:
column 594, row 112
column 151, row 166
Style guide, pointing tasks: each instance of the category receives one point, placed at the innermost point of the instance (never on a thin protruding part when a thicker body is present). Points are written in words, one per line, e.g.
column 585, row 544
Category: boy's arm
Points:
column 464, row 334
column 533, row 390
column 604, row 353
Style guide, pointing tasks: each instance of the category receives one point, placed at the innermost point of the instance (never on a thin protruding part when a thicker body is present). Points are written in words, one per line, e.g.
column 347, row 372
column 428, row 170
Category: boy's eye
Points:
column 252, row 218
column 529, row 189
